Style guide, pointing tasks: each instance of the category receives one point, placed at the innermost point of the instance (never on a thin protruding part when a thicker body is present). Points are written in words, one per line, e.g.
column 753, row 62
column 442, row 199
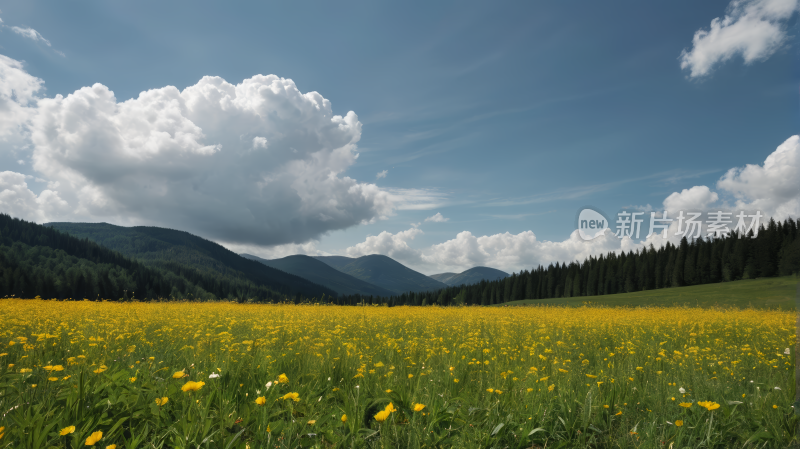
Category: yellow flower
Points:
column 530, row 389
column 490, row 390
column 282, row 379
column 708, row 405
column 618, row 413
column 591, row 376
column 335, row 389
column 685, row 404
column 293, row 396
column 410, row 376
column 388, row 391
column 773, row 406
column 178, row 374
column 543, row 379
column 551, row 387
column 344, row 418
column 382, row 415
column 25, row 370
column 679, row 422
column 111, row 446
column 58, row 368
column 33, row 385
column 311, row 422
column 52, row 379
column 67, row 430
column 162, row 401
column 455, row 380
column 418, row 407
column 101, row 369
column 94, row 438
column 3, row 354
column 132, row 379
column 562, row 370
column 192, row 386
column 498, row 391
column 2, row 432
column 261, row 400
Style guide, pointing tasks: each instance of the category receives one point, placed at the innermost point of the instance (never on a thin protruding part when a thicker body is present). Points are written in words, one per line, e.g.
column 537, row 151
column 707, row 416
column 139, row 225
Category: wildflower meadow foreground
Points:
column 221, row 375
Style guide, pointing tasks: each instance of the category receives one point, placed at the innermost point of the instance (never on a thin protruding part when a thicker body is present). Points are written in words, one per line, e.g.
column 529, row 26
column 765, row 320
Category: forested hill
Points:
column 775, row 251
column 179, row 251
column 39, row 260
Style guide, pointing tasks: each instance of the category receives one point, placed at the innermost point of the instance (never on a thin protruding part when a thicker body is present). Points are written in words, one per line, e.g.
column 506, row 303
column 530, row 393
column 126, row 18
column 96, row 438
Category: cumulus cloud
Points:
column 438, row 218
column 18, row 92
column 773, row 188
column 754, row 29
column 257, row 162
column 31, row 34
column 19, row 201
column 381, row 174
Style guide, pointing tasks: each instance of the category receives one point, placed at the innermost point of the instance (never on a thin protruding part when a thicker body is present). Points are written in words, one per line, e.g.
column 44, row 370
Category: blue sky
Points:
column 502, row 117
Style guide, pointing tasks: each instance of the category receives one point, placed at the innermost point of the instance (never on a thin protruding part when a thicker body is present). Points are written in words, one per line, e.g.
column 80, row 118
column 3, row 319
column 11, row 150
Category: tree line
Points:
column 774, row 251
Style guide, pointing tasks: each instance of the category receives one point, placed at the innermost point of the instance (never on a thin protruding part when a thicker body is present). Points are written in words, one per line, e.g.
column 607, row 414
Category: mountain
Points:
column 443, row 277
column 37, row 260
column 182, row 253
column 384, row 272
column 323, row 274
column 472, row 276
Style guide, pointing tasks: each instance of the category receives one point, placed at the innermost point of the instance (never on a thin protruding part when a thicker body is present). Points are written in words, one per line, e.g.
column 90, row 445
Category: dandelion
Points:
column 132, row 379
column 774, row 406
column 490, row 390
column 708, row 405
column 678, row 422
column 178, row 374
column 344, row 418
column 282, row 379
column 161, row 401
column 685, row 404
column 94, row 438
column 418, row 407
column 192, row 386
column 67, row 430
column 293, row 396
column 261, row 400
column 52, row 379
column 410, row 376
column 551, row 387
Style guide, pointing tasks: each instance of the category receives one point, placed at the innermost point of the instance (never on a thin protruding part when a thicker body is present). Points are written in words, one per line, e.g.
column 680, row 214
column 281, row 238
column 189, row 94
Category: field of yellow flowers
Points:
column 221, row 375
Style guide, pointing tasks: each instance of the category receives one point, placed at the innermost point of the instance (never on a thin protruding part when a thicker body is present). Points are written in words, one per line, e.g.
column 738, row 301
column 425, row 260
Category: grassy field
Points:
column 205, row 375
column 765, row 293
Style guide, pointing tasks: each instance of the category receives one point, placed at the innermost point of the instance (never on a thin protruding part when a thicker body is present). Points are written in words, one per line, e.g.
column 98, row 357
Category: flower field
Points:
column 220, row 375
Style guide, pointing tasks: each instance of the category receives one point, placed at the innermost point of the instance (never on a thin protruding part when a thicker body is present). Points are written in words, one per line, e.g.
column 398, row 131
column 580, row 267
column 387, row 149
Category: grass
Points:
column 239, row 376
column 765, row 293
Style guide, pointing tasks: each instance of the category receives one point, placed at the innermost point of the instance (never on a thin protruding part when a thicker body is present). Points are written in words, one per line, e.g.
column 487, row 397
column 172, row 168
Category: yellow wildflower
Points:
column 67, row 430
column 192, row 386
column 282, row 379
column 261, row 400
column 418, row 407
column 162, row 401
column 94, row 438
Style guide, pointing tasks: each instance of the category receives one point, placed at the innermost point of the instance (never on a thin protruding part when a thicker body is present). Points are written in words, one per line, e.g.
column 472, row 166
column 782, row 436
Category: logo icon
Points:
column 591, row 223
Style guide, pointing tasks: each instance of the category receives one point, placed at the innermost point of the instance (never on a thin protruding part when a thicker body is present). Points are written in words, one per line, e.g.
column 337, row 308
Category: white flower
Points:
column 258, row 391
column 787, row 351
column 329, row 379
column 778, row 388
column 269, row 384
column 681, row 390
column 213, row 376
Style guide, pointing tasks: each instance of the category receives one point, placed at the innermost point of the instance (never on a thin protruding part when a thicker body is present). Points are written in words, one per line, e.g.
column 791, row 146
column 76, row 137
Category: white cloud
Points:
column 31, row 34
column 19, row 201
column 381, row 174
column 18, row 92
column 438, row 218
column 772, row 188
column 392, row 245
column 257, row 162
column 417, row 199
column 754, row 29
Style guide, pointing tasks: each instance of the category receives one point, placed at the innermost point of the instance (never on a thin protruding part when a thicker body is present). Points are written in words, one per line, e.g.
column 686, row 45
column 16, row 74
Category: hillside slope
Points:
column 471, row 276
column 179, row 251
column 384, row 272
column 323, row 274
